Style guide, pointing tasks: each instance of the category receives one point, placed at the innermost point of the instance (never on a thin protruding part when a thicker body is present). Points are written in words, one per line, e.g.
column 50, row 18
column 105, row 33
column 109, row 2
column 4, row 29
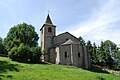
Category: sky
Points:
column 94, row 20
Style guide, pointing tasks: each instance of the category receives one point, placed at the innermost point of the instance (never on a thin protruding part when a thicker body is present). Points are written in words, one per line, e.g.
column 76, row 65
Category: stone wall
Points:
column 52, row 57
column 77, row 55
column 65, row 60
column 47, row 40
column 60, row 39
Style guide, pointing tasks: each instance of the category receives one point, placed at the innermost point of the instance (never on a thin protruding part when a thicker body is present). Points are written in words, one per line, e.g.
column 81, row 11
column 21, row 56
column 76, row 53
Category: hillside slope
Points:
column 11, row 70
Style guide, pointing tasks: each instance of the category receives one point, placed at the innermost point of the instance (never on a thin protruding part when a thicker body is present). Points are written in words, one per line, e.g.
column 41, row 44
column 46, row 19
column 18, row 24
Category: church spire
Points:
column 48, row 20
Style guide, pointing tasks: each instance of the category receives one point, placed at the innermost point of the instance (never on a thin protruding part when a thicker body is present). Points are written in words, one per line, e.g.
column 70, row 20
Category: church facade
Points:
column 64, row 49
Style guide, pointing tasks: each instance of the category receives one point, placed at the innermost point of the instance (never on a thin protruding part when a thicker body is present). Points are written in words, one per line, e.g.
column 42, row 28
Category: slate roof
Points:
column 48, row 20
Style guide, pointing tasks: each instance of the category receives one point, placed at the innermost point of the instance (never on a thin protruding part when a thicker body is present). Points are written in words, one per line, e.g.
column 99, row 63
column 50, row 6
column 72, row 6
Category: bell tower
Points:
column 47, row 32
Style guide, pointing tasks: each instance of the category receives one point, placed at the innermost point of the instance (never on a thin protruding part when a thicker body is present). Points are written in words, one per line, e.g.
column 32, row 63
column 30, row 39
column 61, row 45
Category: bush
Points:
column 25, row 54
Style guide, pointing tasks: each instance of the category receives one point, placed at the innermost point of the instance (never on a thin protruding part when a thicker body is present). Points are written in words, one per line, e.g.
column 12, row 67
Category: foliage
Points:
column 106, row 54
column 22, row 71
column 19, row 42
column 101, row 56
column 108, row 49
column 35, row 54
column 94, row 54
column 3, row 51
column 90, row 49
column 82, row 41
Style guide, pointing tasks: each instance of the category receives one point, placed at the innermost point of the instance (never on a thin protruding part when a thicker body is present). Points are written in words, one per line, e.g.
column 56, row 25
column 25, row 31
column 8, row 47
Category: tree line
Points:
column 21, row 44
column 107, row 54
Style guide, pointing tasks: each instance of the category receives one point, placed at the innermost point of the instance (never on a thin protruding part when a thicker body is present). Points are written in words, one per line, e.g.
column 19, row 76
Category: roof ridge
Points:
column 69, row 41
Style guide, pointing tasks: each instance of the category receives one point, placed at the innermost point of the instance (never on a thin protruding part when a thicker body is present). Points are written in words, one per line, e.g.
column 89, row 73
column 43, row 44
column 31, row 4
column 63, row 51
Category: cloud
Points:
column 9, row 6
column 101, row 24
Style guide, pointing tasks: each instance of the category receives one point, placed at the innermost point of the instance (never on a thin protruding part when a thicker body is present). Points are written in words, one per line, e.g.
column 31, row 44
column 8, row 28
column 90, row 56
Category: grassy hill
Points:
column 11, row 70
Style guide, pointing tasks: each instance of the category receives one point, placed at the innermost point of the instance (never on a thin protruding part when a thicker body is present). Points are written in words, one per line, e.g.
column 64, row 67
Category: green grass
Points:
column 11, row 70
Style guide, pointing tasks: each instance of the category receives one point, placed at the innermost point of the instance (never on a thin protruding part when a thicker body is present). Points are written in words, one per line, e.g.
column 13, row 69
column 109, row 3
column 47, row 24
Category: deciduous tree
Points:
column 19, row 42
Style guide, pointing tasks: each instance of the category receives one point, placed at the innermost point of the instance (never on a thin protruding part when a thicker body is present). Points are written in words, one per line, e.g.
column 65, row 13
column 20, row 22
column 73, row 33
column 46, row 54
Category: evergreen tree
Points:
column 94, row 53
column 101, row 52
column 82, row 41
column 90, row 49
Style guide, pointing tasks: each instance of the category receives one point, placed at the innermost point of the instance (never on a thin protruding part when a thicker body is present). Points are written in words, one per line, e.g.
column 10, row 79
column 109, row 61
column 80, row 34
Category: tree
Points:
column 117, row 55
column 2, row 47
column 110, row 47
column 101, row 54
column 94, row 53
column 19, row 41
column 90, row 49
column 117, row 60
column 107, row 50
column 82, row 41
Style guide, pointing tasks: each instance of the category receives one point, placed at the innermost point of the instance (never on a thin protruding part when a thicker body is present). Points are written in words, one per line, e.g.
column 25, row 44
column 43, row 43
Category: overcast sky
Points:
column 94, row 20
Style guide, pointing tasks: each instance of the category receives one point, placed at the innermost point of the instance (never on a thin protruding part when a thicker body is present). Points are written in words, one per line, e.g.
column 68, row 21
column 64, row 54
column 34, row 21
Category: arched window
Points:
column 79, row 55
column 65, row 54
column 49, row 29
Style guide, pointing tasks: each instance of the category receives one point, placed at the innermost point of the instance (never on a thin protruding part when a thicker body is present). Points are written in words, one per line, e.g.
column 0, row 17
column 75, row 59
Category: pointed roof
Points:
column 69, row 42
column 48, row 20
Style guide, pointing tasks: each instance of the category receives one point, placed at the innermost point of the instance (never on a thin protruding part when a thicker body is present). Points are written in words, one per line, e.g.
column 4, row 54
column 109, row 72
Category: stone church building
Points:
column 64, row 49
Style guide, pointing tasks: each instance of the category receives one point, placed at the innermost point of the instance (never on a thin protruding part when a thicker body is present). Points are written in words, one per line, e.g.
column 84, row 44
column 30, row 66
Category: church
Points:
column 63, row 49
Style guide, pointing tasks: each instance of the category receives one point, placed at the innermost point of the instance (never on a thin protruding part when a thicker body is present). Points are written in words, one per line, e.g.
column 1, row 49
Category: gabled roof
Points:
column 48, row 20
column 69, row 42
column 67, row 33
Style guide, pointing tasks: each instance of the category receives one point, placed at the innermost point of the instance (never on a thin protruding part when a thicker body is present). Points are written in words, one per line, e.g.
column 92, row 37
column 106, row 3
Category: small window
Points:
column 79, row 55
column 49, row 29
column 65, row 54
